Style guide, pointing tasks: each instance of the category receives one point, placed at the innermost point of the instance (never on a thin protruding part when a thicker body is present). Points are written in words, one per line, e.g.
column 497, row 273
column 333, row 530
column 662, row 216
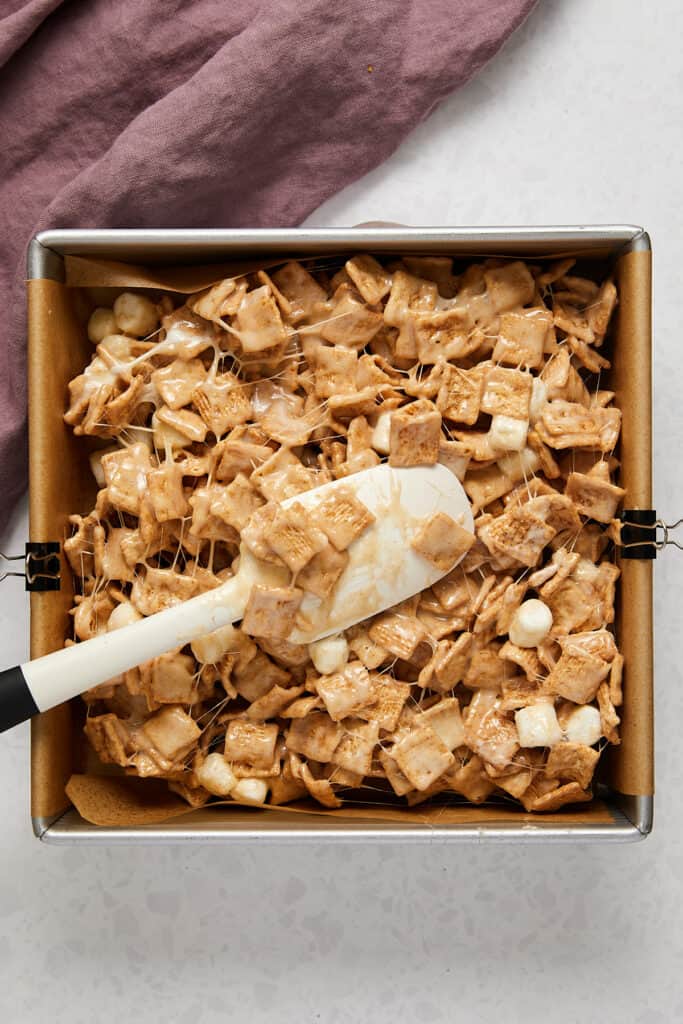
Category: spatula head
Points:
column 383, row 568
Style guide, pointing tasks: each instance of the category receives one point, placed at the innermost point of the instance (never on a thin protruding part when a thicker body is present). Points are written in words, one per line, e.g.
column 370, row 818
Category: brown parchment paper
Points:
column 61, row 484
column 58, row 486
column 87, row 273
column 630, row 767
column 127, row 801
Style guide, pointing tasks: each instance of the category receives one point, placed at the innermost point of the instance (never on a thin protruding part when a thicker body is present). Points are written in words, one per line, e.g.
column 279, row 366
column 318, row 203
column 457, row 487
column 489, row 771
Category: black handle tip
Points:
column 16, row 700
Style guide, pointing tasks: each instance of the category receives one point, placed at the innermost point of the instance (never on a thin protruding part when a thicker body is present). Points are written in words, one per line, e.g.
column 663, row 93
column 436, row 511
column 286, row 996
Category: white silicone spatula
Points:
column 382, row 570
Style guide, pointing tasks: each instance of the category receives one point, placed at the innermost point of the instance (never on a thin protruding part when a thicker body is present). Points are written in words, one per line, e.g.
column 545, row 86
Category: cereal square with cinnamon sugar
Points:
column 459, row 396
column 572, row 761
column 294, row 538
column 415, row 435
column 315, row 736
column 442, row 541
column 251, row 743
column 576, row 677
column 518, row 533
column 320, row 575
column 422, row 756
column 342, row 517
column 507, row 393
column 522, row 337
column 345, row 692
column 271, row 611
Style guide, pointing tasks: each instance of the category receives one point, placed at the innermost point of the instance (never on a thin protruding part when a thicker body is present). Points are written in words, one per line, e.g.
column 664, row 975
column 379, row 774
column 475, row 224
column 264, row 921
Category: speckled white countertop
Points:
column 578, row 121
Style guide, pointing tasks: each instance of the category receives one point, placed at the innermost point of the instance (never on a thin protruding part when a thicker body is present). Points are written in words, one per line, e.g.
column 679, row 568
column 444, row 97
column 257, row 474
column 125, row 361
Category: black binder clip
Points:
column 639, row 536
column 41, row 566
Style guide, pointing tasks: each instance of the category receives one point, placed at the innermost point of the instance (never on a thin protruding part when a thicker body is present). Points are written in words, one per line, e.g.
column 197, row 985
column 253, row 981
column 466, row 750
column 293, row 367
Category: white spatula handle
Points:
column 57, row 677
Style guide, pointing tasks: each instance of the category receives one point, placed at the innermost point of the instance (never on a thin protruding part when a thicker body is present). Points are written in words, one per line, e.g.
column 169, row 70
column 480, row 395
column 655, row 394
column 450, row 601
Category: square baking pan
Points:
column 60, row 485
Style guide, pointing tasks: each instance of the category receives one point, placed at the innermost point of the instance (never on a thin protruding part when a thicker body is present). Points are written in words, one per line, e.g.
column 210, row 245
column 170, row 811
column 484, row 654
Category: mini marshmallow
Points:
column 583, row 725
column 216, row 775
column 381, row 433
column 329, row 655
column 123, row 615
column 539, row 398
column 537, row 726
column 517, row 465
column 101, row 324
column 531, row 623
column 135, row 314
column 210, row 648
column 508, row 434
column 250, row 791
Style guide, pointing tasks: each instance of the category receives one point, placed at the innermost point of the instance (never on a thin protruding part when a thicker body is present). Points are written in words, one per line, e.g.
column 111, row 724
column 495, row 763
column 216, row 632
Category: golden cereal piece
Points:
column 577, row 677
column 507, row 393
column 594, row 497
column 573, row 761
column 422, row 756
column 271, row 611
column 357, row 746
column 294, row 537
column 415, row 435
column 522, row 338
column 315, row 736
column 442, row 541
column 250, row 743
column 342, row 517
column 345, row 692
column 509, row 286
column 369, row 277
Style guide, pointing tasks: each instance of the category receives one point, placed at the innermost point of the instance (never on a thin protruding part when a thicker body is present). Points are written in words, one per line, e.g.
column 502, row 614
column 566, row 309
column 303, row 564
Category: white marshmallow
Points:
column 250, row 791
column 517, row 465
column 531, row 623
column 381, row 433
column 537, row 726
column 216, row 775
column 123, row 615
column 102, row 322
column 507, row 434
column 329, row 655
column 583, row 725
column 135, row 314
column 539, row 399
column 210, row 648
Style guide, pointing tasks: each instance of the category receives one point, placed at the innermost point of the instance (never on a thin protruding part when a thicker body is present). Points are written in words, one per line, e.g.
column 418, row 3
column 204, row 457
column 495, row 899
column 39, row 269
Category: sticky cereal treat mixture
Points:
column 503, row 680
